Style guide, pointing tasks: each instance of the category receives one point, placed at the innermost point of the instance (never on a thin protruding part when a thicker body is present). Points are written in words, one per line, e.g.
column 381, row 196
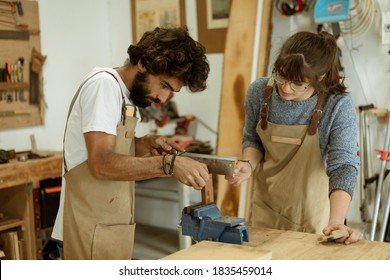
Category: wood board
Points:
column 211, row 250
column 291, row 245
column 238, row 61
column 284, row 245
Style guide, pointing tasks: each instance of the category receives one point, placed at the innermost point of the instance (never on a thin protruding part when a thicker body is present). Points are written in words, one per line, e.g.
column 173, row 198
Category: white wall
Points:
column 79, row 35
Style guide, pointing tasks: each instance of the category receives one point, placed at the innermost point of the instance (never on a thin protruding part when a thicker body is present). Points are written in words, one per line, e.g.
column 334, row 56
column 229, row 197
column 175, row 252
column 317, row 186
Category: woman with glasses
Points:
column 300, row 141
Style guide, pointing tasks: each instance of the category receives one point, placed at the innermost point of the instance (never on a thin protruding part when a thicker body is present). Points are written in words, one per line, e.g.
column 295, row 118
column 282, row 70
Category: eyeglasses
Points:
column 296, row 87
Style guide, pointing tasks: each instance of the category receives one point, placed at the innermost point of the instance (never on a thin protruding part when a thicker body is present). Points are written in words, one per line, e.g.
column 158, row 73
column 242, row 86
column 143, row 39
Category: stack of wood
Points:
column 11, row 241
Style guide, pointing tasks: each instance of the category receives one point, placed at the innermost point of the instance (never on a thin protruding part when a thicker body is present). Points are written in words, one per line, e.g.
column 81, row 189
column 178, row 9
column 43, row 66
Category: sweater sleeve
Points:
column 253, row 101
column 342, row 158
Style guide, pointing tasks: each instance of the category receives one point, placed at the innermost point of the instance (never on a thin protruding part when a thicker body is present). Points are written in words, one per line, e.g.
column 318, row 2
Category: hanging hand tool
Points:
column 19, row 77
column 8, row 72
column 19, row 8
column 37, row 61
column 12, row 13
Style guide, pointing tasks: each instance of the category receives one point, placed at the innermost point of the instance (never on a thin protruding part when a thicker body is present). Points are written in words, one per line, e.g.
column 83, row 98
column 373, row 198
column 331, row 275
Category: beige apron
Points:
column 291, row 188
column 99, row 215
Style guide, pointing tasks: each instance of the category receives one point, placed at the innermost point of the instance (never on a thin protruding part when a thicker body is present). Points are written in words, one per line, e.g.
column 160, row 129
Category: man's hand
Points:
column 156, row 145
column 191, row 172
column 163, row 145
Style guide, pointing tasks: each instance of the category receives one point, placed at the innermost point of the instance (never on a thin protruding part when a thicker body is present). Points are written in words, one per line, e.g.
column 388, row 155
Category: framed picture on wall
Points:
column 148, row 14
column 213, row 19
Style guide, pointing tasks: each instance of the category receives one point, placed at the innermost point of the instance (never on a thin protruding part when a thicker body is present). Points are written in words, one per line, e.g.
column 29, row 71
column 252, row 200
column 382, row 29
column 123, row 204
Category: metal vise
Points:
column 204, row 222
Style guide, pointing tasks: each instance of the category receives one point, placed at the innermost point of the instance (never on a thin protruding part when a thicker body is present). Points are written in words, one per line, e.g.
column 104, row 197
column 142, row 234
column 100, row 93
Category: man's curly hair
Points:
column 171, row 51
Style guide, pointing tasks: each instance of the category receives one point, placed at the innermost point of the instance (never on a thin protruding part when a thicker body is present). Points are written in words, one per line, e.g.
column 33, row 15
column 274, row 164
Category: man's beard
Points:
column 139, row 93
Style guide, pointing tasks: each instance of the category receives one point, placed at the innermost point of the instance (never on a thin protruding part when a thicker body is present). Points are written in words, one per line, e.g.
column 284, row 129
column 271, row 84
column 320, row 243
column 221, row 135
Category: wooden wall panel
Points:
column 17, row 107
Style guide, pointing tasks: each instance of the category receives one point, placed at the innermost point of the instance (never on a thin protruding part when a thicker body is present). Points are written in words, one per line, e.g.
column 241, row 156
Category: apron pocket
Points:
column 265, row 216
column 113, row 242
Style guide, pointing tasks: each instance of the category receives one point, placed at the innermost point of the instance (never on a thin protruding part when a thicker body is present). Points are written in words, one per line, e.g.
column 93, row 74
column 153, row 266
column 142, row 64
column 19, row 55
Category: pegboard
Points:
column 21, row 61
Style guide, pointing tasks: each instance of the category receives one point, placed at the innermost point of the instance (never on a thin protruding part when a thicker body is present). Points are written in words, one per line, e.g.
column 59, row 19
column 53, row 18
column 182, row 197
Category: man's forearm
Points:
column 119, row 167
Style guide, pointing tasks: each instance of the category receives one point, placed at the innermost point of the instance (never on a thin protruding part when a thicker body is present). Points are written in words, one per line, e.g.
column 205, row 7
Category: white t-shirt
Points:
column 97, row 108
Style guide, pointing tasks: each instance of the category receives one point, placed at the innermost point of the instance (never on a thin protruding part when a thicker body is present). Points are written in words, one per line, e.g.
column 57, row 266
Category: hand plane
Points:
column 203, row 221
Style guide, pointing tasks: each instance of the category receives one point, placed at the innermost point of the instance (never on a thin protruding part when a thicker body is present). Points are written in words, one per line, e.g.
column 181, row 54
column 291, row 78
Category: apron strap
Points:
column 264, row 106
column 123, row 119
column 317, row 113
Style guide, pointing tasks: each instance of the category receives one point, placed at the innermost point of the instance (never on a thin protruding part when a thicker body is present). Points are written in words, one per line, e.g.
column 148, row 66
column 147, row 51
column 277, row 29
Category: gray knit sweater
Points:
column 337, row 129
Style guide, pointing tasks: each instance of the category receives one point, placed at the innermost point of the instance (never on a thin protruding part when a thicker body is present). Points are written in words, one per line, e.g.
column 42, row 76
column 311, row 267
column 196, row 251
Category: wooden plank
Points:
column 209, row 250
column 238, row 60
column 10, row 224
column 285, row 245
column 291, row 245
column 262, row 66
column 265, row 42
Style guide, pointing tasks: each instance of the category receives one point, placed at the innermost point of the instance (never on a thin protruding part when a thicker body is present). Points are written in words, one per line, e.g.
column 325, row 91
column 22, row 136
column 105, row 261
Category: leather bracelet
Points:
column 172, row 164
column 163, row 164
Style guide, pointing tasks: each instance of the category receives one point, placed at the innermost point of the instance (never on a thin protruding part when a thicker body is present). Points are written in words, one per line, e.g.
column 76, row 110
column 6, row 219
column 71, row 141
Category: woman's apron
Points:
column 291, row 188
column 99, row 215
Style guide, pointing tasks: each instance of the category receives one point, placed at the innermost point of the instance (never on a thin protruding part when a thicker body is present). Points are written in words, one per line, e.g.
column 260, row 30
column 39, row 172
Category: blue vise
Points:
column 205, row 222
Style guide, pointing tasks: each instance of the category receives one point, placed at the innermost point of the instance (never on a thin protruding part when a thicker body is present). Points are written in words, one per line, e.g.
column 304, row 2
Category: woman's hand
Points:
column 353, row 234
column 242, row 172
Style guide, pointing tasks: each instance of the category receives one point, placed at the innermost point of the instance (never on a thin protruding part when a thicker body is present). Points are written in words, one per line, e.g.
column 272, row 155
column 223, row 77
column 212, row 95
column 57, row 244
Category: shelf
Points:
column 19, row 182
column 10, row 224
column 13, row 86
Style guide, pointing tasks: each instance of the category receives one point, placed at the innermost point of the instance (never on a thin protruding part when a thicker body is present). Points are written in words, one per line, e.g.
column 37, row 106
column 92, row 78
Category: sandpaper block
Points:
column 336, row 234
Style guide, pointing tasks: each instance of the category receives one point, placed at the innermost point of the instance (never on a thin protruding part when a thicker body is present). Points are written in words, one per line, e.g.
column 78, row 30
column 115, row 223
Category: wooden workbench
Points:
column 18, row 181
column 290, row 245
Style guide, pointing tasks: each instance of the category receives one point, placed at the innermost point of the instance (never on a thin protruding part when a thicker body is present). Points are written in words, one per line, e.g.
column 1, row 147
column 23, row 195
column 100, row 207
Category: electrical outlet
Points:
column 385, row 28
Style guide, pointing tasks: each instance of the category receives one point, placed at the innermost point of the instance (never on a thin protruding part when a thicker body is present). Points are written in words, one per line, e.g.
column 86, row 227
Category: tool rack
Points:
column 374, row 193
column 21, row 91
